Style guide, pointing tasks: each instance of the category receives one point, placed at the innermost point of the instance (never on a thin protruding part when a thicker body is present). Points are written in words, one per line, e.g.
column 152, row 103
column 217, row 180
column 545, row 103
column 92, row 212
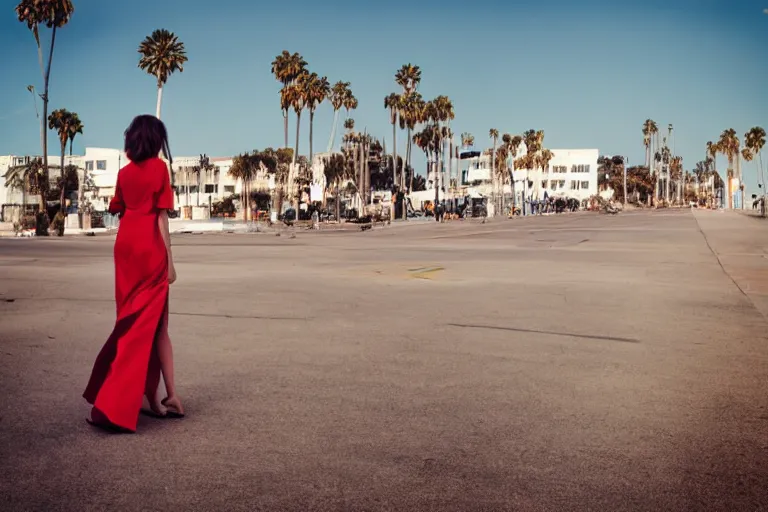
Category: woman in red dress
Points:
column 139, row 348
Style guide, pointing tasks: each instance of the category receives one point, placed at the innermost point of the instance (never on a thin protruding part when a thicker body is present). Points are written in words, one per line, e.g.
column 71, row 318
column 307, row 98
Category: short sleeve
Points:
column 117, row 205
column 164, row 195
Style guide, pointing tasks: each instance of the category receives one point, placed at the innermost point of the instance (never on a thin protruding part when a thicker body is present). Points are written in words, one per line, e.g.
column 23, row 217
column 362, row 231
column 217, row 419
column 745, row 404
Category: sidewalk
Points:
column 740, row 242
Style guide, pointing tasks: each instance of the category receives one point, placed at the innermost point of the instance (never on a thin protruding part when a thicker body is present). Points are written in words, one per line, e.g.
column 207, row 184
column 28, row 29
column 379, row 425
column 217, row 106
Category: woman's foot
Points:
column 173, row 407
column 100, row 420
column 154, row 408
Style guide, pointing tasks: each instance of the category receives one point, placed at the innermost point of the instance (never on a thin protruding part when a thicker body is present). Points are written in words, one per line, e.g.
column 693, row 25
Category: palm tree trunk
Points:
column 285, row 127
column 159, row 100
column 394, row 152
column 512, row 184
column 362, row 188
column 197, row 197
column 501, row 192
column 332, row 139
column 293, row 183
column 495, row 179
column 406, row 165
column 311, row 122
column 46, row 82
column 436, row 175
column 338, row 202
column 244, row 200
column 450, row 168
column 63, row 186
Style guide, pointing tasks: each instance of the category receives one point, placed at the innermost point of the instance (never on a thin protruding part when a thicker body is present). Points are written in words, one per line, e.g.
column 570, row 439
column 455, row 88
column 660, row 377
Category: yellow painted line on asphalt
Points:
column 424, row 272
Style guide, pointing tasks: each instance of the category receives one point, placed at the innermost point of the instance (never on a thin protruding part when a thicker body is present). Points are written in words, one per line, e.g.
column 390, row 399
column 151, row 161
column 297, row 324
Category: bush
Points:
column 41, row 224
column 58, row 223
column 224, row 207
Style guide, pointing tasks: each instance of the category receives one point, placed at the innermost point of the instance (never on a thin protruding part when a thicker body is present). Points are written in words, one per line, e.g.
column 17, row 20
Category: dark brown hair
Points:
column 145, row 138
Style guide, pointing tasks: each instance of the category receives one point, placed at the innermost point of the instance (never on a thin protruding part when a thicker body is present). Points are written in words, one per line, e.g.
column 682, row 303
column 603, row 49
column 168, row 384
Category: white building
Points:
column 571, row 173
column 13, row 195
column 103, row 165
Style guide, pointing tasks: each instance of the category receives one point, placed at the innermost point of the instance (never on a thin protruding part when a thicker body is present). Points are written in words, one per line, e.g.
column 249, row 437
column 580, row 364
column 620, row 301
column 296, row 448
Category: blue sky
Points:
column 586, row 72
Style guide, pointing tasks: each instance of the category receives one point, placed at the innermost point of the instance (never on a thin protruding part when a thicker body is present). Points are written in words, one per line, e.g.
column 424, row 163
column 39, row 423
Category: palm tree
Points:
column 754, row 140
column 650, row 133
column 242, row 169
column 423, row 141
column 54, row 14
column 338, row 93
column 287, row 67
column 545, row 156
column 728, row 145
column 335, row 172
column 316, row 90
column 711, row 156
column 297, row 97
column 394, row 103
column 440, row 111
column 408, row 77
column 62, row 120
column 676, row 172
column 412, row 114
column 75, row 128
column 162, row 54
column 512, row 143
column 349, row 124
column 493, row 133
column 16, row 179
column 350, row 103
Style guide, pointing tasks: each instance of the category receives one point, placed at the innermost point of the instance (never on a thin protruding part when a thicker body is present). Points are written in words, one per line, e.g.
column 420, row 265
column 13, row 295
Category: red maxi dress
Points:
column 128, row 366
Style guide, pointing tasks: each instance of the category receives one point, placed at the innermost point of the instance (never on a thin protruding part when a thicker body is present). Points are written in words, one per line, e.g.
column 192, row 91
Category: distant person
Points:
column 139, row 348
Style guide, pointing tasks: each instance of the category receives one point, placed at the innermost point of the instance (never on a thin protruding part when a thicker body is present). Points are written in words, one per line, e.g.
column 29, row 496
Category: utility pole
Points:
column 626, row 162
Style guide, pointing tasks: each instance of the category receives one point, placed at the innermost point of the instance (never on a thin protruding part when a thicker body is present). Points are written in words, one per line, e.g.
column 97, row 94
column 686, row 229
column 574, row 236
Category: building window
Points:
column 561, row 184
column 543, row 184
column 211, row 189
column 89, row 165
column 580, row 168
column 101, row 165
column 585, row 185
column 559, row 168
column 229, row 189
column 193, row 189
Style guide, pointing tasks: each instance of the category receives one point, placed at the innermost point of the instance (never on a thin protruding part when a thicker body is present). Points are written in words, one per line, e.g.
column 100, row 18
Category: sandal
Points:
column 172, row 408
column 104, row 424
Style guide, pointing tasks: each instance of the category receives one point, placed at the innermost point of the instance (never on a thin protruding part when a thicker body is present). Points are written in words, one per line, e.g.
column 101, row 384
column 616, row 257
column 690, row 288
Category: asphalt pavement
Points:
column 570, row 362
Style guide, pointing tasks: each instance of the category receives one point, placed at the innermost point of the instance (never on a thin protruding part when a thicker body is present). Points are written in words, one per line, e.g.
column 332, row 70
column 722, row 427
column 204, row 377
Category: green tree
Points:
column 493, row 133
column 393, row 102
column 650, row 134
column 287, row 68
column 316, row 90
column 754, row 140
column 729, row 146
column 339, row 92
column 243, row 169
column 336, row 171
column 53, row 14
column 63, row 121
column 162, row 54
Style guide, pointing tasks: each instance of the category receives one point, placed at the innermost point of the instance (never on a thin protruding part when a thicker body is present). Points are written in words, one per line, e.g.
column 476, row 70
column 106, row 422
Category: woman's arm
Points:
column 162, row 223
column 116, row 205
